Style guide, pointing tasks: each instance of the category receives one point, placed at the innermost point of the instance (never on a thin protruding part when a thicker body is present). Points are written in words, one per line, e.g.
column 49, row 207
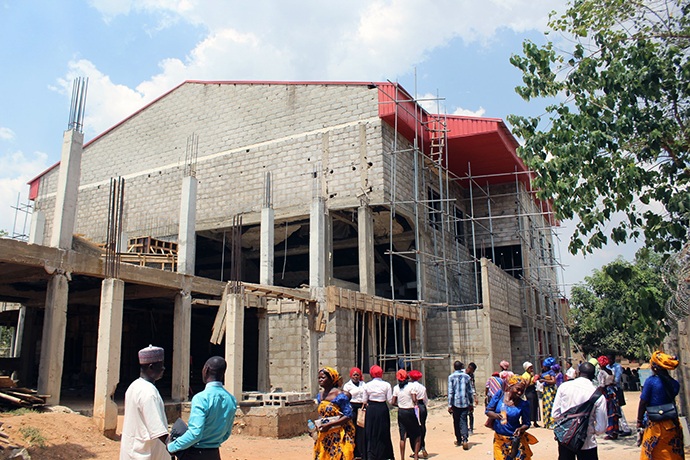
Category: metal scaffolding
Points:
column 441, row 206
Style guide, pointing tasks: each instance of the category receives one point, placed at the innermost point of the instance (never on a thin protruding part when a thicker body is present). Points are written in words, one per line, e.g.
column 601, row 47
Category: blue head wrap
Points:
column 548, row 362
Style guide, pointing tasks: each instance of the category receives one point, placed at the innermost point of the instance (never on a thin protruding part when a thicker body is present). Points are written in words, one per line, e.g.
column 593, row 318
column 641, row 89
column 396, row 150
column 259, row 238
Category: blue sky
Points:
column 134, row 51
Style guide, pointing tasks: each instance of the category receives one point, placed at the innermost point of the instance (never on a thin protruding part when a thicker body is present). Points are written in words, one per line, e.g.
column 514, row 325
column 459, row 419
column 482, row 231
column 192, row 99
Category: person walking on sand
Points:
column 145, row 426
column 573, row 393
column 460, row 403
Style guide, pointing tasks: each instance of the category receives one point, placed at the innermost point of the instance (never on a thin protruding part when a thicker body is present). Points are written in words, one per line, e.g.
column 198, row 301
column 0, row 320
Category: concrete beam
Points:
column 267, row 259
column 57, row 260
column 108, row 355
column 365, row 234
column 234, row 344
column 186, row 239
column 182, row 332
column 53, row 341
column 67, row 190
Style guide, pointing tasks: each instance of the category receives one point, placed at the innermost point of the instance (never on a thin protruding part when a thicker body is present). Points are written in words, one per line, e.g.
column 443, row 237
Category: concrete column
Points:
column 108, row 355
column 365, row 235
column 67, row 190
column 266, row 266
column 28, row 348
column 317, row 243
column 38, row 227
column 186, row 240
column 264, row 383
column 182, row 332
column 53, row 341
column 234, row 344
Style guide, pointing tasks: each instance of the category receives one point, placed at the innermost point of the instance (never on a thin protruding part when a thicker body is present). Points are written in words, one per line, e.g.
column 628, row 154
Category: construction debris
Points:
column 21, row 397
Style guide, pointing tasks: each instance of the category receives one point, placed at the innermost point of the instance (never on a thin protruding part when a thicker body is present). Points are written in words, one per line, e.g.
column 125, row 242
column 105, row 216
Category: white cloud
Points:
column 17, row 169
column 469, row 113
column 6, row 133
column 307, row 40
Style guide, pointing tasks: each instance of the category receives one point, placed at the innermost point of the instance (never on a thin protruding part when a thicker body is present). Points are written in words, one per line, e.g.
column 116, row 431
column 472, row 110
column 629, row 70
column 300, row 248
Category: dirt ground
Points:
column 72, row 436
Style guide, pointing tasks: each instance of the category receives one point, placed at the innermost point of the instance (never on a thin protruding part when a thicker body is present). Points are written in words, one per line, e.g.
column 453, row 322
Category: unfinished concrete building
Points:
column 355, row 226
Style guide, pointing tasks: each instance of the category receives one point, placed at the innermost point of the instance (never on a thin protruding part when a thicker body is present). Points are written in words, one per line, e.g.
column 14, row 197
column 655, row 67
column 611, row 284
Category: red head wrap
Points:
column 603, row 361
column 415, row 375
column 401, row 375
column 375, row 371
column 355, row 369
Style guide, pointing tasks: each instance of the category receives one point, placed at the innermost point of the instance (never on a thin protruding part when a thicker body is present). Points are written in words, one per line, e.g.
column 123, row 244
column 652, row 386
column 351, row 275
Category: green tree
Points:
column 616, row 137
column 620, row 307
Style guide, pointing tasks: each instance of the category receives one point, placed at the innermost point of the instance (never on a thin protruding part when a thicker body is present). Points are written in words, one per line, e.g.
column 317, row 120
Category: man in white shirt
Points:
column 145, row 426
column 573, row 393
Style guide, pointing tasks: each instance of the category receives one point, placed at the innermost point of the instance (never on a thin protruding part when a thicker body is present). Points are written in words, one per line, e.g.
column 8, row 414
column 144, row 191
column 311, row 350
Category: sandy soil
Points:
column 72, row 436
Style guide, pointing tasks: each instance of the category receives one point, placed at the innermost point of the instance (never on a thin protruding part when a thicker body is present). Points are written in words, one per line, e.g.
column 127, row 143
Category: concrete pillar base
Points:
column 108, row 356
column 53, row 341
column 182, row 330
column 234, row 344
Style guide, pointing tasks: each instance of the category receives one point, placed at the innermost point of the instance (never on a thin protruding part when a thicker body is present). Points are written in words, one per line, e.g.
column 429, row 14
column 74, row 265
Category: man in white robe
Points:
column 145, row 427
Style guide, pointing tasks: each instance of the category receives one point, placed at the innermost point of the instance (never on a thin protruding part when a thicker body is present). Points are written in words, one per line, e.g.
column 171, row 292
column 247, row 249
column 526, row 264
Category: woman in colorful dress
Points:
column 355, row 390
column 377, row 429
column 662, row 439
column 607, row 382
column 511, row 418
column 559, row 375
column 336, row 437
column 548, row 378
column 531, row 392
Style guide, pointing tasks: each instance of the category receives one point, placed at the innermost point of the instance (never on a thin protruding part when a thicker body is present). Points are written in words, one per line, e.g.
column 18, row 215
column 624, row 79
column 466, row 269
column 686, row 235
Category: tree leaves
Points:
column 617, row 136
column 620, row 307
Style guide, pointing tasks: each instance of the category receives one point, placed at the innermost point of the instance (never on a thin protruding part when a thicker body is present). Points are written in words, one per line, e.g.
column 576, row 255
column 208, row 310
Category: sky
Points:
column 135, row 51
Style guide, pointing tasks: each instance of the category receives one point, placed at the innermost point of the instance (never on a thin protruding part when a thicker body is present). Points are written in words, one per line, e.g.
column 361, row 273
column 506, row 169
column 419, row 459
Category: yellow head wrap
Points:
column 332, row 373
column 515, row 379
column 664, row 361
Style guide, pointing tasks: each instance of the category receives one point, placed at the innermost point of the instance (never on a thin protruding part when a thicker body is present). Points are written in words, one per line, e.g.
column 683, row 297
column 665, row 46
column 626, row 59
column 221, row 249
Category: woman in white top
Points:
column 355, row 390
column 422, row 401
column 377, row 429
column 405, row 397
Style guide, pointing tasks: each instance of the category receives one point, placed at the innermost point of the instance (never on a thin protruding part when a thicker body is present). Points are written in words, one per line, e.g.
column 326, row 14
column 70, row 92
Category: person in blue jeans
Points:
column 510, row 420
column 460, row 403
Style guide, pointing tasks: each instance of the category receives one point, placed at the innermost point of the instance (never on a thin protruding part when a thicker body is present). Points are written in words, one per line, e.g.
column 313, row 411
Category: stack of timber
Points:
column 10, row 394
column 147, row 251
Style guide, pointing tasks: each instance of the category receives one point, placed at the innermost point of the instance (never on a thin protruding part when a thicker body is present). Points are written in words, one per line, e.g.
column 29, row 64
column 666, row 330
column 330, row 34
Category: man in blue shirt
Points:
column 211, row 417
column 460, row 402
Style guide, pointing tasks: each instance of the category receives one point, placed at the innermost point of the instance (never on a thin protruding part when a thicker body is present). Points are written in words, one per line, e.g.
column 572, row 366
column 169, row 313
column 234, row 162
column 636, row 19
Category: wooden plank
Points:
column 218, row 330
column 7, row 382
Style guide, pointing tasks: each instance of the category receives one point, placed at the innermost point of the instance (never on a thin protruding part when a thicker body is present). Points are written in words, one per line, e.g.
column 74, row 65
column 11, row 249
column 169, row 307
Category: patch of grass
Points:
column 33, row 435
column 22, row 411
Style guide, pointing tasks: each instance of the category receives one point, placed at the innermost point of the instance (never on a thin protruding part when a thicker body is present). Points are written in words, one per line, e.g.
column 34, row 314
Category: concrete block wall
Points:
column 288, row 352
column 337, row 344
column 244, row 130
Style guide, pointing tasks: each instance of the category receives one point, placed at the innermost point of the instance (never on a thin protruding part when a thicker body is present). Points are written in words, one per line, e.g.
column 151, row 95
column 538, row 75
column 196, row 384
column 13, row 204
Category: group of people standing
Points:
column 355, row 421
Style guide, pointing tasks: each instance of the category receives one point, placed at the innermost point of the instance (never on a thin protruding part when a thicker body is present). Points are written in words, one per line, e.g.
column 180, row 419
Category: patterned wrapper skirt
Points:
column 547, row 401
column 662, row 441
column 338, row 443
column 613, row 410
column 502, row 447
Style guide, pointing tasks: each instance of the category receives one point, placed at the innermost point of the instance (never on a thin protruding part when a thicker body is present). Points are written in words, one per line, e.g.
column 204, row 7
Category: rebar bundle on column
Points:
column 114, row 232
